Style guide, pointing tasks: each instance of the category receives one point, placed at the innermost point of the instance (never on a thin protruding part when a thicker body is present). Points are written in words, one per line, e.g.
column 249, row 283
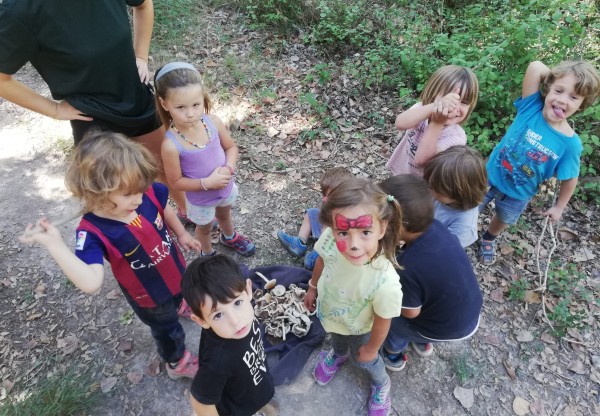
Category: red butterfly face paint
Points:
column 341, row 245
column 344, row 224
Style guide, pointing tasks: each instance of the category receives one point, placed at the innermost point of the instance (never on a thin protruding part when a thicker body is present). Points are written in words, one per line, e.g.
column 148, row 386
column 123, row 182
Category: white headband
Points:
column 171, row 66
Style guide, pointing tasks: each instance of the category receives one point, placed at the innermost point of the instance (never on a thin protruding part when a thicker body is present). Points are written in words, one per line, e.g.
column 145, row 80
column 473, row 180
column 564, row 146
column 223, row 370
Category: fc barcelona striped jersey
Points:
column 142, row 254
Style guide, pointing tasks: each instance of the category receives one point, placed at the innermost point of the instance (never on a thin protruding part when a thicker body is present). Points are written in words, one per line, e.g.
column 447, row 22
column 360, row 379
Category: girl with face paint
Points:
column 354, row 285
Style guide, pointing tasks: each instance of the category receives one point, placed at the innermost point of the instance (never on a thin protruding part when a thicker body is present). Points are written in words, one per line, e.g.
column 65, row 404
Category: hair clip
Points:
column 390, row 198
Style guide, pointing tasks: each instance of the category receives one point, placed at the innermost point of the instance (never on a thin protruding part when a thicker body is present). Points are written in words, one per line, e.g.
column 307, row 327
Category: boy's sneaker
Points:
column 243, row 245
column 422, row 349
column 293, row 245
column 379, row 401
column 184, row 310
column 393, row 362
column 327, row 366
column 186, row 367
column 310, row 259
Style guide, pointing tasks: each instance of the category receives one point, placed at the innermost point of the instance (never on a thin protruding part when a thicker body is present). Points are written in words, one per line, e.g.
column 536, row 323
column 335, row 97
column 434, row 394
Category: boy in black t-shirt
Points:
column 233, row 377
column 441, row 296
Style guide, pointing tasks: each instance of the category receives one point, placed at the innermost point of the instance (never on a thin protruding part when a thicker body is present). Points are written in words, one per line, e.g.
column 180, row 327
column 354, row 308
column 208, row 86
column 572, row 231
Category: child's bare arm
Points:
column 172, row 165
column 428, row 144
column 311, row 293
column 535, row 74
column 381, row 327
column 410, row 313
column 186, row 241
column 567, row 188
column 87, row 277
column 413, row 116
column 231, row 149
column 203, row 409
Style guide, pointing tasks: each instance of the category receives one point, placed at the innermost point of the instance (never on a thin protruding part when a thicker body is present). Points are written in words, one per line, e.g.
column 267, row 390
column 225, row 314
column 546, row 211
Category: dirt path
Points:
column 46, row 324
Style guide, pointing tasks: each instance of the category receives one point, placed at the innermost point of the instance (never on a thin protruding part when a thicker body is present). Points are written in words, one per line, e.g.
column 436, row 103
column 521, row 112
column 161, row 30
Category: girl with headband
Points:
column 199, row 155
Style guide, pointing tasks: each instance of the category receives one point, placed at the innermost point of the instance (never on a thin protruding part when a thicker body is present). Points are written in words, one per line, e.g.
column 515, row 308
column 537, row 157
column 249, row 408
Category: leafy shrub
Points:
column 397, row 44
column 280, row 14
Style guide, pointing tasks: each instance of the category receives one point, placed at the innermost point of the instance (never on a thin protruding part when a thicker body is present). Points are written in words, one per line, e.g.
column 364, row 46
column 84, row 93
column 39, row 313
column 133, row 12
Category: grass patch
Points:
column 464, row 368
column 172, row 21
column 64, row 394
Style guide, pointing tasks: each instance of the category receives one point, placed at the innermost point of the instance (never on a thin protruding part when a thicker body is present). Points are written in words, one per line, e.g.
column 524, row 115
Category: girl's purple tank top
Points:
column 200, row 163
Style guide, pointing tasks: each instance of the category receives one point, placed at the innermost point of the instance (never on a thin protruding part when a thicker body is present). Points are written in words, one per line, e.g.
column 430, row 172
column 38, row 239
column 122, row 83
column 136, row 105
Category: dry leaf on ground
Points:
column 520, row 406
column 464, row 396
column 107, row 384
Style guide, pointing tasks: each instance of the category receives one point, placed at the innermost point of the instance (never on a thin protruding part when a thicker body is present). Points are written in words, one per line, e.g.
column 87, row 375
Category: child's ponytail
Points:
column 391, row 239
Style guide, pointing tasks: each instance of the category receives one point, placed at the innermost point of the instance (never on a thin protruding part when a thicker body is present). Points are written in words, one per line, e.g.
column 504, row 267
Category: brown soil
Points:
column 46, row 324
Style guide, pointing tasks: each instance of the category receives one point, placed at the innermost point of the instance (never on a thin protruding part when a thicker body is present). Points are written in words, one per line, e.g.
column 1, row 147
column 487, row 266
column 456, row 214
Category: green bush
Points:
column 283, row 15
column 397, row 44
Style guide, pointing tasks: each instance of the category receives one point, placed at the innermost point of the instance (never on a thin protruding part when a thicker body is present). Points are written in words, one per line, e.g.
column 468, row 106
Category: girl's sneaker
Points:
column 422, row 349
column 393, row 362
column 186, row 367
column 379, row 401
column 243, row 245
column 327, row 366
column 184, row 310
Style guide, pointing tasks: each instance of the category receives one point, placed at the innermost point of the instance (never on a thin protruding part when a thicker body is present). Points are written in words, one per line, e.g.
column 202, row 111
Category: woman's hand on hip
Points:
column 142, row 67
column 65, row 111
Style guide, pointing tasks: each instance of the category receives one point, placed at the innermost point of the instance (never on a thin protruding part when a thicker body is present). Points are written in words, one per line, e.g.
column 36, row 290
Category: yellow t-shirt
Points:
column 349, row 295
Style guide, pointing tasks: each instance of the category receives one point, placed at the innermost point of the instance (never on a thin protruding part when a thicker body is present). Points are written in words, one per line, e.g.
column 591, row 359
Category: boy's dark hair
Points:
column 458, row 173
column 587, row 85
column 332, row 178
column 218, row 278
column 415, row 199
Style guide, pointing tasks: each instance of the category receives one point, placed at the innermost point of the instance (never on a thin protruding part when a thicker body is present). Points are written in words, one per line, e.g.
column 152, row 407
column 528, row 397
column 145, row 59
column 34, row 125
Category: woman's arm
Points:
column 21, row 95
column 143, row 22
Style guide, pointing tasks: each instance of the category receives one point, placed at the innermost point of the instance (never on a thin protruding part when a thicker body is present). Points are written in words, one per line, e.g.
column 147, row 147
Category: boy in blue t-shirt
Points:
column 538, row 145
column 441, row 297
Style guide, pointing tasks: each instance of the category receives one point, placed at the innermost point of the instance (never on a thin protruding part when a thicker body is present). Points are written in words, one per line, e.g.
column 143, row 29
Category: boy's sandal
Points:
column 487, row 252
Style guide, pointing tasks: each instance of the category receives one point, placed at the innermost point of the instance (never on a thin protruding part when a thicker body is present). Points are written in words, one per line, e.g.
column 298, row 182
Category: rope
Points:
column 543, row 276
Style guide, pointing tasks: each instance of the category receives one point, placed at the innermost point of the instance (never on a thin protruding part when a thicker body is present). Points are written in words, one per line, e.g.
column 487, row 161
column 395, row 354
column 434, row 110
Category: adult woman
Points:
column 84, row 51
